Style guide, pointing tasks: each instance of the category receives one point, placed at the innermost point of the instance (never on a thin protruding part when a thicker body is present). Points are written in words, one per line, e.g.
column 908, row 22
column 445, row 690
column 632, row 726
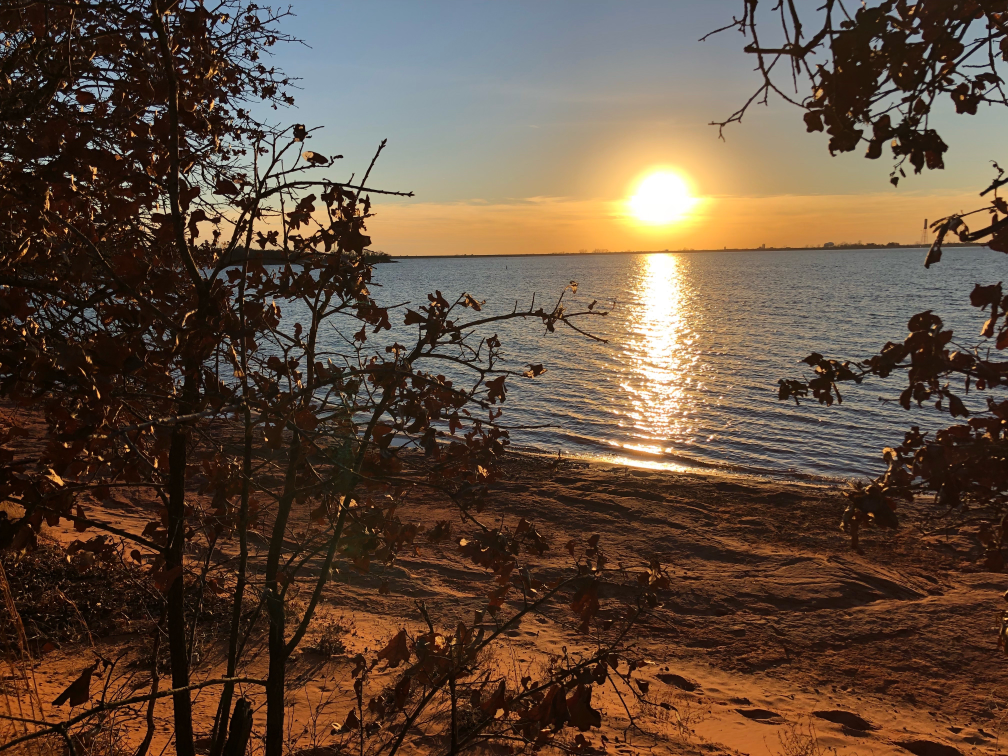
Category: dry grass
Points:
column 64, row 598
column 800, row 739
column 330, row 637
column 673, row 713
column 19, row 691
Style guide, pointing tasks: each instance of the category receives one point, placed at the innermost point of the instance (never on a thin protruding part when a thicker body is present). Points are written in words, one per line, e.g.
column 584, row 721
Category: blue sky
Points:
column 494, row 103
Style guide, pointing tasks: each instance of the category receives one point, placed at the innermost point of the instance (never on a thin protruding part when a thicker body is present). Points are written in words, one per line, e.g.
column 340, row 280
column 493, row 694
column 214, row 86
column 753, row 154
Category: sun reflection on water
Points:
column 659, row 357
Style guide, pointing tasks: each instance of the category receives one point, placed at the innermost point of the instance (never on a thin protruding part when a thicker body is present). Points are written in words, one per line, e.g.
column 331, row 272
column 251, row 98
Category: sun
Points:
column 661, row 198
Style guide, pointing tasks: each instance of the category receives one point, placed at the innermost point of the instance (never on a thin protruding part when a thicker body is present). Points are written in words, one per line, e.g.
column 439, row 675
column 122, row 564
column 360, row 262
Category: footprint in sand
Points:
column 847, row 719
column 978, row 737
column 677, row 681
column 765, row 716
column 929, row 748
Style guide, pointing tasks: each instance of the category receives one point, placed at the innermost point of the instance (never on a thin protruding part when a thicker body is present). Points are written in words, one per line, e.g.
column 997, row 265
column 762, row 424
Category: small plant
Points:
column 800, row 739
column 676, row 713
column 331, row 639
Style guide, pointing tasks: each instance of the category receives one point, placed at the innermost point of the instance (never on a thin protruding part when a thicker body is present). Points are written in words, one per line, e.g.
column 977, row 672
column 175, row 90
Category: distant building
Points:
column 827, row 245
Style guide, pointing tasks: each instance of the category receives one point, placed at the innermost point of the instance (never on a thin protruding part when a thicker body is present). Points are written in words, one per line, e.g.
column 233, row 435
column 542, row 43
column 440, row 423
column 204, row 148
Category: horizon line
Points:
column 869, row 247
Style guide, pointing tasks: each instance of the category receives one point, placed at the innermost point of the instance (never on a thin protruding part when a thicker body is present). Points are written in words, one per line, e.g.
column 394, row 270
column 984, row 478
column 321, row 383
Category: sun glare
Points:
column 661, row 198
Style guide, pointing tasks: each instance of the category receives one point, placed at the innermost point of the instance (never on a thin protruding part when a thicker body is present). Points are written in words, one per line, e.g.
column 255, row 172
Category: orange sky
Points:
column 552, row 224
column 523, row 127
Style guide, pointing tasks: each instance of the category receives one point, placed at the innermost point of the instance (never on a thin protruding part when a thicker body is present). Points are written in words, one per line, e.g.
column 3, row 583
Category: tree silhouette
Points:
column 874, row 75
column 185, row 299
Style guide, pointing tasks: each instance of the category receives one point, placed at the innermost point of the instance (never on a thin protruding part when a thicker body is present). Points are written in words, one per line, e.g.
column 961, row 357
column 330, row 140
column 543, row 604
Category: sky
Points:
column 524, row 127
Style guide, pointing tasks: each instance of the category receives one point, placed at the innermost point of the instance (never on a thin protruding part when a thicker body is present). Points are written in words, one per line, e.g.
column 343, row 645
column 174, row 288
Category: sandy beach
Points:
column 775, row 635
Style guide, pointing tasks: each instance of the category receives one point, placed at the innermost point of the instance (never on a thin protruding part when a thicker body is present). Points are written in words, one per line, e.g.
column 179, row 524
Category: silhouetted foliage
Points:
column 873, row 74
column 247, row 397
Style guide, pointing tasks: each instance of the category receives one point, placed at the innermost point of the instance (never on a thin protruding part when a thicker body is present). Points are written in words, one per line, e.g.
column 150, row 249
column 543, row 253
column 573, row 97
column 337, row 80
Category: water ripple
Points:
column 697, row 344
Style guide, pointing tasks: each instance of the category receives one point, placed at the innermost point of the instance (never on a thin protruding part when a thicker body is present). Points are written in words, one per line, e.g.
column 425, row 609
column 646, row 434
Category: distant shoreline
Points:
column 835, row 248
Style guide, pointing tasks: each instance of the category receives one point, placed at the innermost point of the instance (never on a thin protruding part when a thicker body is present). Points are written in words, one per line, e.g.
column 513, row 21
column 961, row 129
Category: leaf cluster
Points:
column 186, row 305
column 873, row 73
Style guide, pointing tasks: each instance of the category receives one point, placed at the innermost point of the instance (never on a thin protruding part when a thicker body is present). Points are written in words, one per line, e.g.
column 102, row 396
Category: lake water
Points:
column 697, row 343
